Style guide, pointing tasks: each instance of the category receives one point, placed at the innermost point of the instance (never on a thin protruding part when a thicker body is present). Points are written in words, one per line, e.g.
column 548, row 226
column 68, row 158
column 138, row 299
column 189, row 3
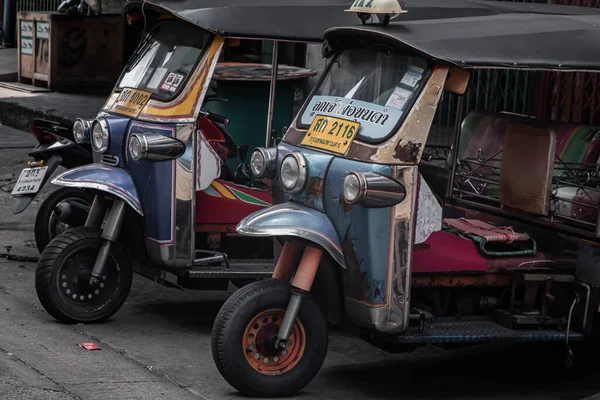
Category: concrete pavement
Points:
column 159, row 342
column 8, row 65
column 18, row 109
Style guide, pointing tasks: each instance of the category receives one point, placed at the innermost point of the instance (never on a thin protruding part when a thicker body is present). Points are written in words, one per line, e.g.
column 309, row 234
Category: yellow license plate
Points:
column 332, row 134
column 131, row 102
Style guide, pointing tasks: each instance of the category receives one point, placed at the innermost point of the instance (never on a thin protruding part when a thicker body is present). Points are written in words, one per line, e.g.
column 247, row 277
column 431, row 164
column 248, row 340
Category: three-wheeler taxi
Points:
column 507, row 250
column 165, row 204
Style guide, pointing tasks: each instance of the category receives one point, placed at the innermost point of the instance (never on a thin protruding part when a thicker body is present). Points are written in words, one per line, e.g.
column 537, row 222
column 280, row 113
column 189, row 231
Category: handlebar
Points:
column 216, row 117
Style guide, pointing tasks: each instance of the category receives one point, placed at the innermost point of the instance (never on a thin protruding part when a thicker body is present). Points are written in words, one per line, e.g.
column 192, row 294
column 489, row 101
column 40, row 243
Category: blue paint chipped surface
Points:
column 364, row 230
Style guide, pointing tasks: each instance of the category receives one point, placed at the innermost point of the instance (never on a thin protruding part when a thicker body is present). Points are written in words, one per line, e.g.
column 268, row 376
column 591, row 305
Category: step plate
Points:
column 240, row 269
column 475, row 330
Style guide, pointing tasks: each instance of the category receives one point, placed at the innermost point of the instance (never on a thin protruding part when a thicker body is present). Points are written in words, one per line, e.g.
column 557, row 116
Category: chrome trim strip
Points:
column 102, row 187
column 109, row 159
column 249, row 227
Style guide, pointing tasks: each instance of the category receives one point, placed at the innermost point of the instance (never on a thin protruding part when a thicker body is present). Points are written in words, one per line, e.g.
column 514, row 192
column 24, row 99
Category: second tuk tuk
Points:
column 507, row 250
column 164, row 202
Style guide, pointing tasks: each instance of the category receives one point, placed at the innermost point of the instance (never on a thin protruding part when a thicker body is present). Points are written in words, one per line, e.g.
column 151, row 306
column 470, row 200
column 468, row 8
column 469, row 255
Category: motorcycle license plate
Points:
column 29, row 181
column 329, row 133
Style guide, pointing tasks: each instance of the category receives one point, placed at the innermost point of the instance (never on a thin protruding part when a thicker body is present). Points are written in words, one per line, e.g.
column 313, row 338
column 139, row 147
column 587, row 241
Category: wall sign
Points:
column 42, row 30
column 26, row 37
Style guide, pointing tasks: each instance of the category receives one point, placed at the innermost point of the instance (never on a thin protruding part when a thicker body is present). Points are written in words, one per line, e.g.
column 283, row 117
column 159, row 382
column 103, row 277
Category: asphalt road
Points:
column 158, row 345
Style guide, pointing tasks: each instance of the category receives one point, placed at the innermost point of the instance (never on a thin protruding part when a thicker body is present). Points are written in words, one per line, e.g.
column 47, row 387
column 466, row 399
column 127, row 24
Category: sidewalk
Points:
column 8, row 65
column 18, row 109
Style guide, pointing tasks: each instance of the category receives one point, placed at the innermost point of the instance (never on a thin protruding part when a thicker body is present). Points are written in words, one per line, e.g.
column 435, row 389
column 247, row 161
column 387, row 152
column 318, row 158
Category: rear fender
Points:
column 113, row 180
column 291, row 219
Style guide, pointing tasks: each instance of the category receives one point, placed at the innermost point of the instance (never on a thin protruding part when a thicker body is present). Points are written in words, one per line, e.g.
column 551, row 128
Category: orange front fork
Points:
column 301, row 284
column 307, row 269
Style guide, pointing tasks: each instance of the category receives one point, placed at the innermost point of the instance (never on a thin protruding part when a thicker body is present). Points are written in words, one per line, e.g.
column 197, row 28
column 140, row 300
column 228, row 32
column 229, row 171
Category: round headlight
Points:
column 352, row 188
column 135, row 148
column 293, row 172
column 100, row 136
column 81, row 131
column 258, row 164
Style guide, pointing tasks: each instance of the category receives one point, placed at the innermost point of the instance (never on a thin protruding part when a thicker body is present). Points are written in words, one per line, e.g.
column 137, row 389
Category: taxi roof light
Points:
column 384, row 10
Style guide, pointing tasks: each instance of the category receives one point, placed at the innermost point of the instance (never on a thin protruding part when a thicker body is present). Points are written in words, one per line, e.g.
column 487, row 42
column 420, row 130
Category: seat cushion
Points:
column 444, row 252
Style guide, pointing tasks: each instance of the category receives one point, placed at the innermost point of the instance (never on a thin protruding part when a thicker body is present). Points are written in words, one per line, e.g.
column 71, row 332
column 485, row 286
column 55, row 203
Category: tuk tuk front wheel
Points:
column 242, row 344
column 47, row 224
column 62, row 277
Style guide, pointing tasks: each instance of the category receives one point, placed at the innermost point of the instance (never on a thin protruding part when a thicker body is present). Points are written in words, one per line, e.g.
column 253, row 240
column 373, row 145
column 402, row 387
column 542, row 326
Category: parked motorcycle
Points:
column 65, row 207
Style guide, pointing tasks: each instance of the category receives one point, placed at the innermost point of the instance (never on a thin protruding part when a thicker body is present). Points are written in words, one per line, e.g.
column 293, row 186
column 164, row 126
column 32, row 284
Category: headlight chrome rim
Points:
column 362, row 187
column 269, row 157
column 302, row 172
column 141, row 139
column 105, row 135
column 258, row 172
column 85, row 126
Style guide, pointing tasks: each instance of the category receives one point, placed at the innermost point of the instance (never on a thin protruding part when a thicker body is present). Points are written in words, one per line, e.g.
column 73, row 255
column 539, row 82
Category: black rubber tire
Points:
column 227, row 336
column 50, row 263
column 241, row 282
column 42, row 219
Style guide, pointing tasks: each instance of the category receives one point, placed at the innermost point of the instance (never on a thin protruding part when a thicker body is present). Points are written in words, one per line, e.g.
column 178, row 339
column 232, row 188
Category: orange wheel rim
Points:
column 258, row 350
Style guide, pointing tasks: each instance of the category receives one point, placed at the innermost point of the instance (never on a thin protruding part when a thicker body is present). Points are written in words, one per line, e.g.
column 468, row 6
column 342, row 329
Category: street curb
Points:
column 20, row 117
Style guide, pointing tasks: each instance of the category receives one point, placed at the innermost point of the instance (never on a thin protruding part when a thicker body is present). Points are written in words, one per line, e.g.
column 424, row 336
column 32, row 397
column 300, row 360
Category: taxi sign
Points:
column 376, row 7
column 331, row 134
column 131, row 102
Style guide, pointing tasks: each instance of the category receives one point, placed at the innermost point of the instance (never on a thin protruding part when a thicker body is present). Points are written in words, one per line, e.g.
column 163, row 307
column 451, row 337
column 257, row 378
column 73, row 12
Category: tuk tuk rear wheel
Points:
column 242, row 347
column 63, row 274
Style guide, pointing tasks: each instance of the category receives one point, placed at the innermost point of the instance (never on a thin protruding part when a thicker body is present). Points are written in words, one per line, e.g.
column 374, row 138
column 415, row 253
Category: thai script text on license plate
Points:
column 30, row 180
column 332, row 134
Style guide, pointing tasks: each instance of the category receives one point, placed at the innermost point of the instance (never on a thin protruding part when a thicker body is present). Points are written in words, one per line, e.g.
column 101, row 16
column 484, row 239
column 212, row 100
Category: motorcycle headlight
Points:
column 262, row 161
column 354, row 188
column 293, row 172
column 100, row 136
column 155, row 147
column 136, row 148
column 371, row 189
column 81, row 130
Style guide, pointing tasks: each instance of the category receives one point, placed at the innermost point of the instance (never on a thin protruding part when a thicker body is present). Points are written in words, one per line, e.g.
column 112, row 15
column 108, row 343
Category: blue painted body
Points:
column 363, row 233
column 117, row 145
column 147, row 185
column 155, row 182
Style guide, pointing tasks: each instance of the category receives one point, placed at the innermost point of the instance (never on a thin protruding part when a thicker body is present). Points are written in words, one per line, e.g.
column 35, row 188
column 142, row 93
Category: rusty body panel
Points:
column 460, row 280
column 407, row 144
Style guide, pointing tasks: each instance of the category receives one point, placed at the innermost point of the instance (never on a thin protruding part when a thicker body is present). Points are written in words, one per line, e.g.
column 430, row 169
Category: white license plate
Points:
column 29, row 181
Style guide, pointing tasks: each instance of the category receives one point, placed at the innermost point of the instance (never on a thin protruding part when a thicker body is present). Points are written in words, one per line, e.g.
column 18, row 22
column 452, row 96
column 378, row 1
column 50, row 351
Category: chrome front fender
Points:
column 105, row 178
column 291, row 219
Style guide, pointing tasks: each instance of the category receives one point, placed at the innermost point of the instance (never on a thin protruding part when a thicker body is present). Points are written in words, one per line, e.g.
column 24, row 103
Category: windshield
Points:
column 165, row 59
column 371, row 87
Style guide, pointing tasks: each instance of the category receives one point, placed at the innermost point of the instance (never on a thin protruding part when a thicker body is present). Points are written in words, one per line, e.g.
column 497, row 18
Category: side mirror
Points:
column 243, row 152
column 457, row 81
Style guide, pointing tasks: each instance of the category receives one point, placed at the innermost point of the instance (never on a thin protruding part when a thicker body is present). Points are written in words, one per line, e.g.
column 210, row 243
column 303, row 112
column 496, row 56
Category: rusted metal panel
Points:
column 401, row 249
column 407, row 145
column 460, row 280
